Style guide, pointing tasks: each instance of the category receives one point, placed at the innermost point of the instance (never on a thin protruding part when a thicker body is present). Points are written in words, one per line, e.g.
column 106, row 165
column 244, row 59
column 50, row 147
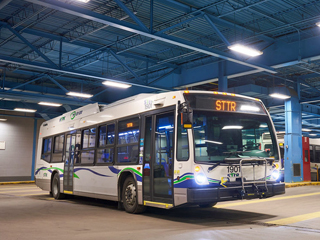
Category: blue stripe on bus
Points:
column 86, row 169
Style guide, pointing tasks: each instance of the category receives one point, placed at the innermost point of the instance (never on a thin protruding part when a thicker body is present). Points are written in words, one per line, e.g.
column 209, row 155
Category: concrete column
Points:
column 293, row 162
column 223, row 80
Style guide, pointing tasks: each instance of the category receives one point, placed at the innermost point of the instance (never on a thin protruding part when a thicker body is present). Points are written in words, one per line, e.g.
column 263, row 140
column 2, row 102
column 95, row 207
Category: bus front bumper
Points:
column 210, row 195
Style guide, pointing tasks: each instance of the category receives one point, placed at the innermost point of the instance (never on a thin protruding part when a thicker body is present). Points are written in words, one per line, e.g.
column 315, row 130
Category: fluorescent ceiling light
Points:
column 76, row 94
column 245, row 50
column 3, row 119
column 306, row 130
column 312, row 134
column 318, row 24
column 24, row 110
column 50, row 104
column 249, row 108
column 84, row 1
column 209, row 141
column 263, row 126
column 116, row 84
column 232, row 127
column 279, row 95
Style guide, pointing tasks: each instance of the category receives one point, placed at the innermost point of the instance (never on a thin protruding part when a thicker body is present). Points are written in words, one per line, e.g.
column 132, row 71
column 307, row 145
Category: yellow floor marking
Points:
column 5, row 188
column 264, row 200
column 299, row 218
column 21, row 195
column 12, row 191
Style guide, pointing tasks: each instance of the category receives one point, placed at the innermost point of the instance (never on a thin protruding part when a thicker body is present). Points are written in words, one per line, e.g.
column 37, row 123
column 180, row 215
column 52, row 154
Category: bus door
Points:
column 69, row 162
column 158, row 157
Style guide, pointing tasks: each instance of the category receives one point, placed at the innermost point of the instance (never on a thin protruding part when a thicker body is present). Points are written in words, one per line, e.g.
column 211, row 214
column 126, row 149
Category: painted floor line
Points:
column 13, row 191
column 295, row 219
column 22, row 195
column 244, row 202
column 5, row 188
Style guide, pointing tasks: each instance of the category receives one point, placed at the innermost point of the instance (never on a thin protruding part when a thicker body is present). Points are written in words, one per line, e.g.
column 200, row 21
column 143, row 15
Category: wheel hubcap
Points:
column 130, row 194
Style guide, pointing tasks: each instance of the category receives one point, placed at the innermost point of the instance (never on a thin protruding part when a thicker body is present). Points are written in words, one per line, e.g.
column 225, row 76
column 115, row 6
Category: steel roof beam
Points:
column 186, row 8
column 34, row 97
column 26, row 83
column 124, row 65
column 78, row 73
column 28, row 44
column 87, row 14
column 216, row 30
column 4, row 3
column 89, row 45
column 131, row 14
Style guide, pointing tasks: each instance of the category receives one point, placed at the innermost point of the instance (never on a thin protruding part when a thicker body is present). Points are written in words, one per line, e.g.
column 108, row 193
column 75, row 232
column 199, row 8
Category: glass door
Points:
column 69, row 162
column 158, row 157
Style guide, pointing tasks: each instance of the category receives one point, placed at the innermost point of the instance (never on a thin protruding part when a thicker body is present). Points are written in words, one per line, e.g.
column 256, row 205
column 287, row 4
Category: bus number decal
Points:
column 233, row 169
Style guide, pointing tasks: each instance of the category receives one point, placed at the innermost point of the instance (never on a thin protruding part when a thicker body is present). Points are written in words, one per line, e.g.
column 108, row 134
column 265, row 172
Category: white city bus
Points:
column 162, row 150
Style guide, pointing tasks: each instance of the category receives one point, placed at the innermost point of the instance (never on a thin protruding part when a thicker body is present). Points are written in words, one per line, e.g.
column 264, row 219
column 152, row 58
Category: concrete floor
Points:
column 26, row 212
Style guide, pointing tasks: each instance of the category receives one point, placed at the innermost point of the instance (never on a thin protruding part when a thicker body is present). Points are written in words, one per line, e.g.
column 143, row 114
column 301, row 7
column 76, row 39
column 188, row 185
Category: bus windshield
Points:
column 220, row 135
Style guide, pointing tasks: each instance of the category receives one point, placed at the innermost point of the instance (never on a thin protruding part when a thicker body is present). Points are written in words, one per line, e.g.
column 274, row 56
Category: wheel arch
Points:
column 123, row 176
column 52, row 175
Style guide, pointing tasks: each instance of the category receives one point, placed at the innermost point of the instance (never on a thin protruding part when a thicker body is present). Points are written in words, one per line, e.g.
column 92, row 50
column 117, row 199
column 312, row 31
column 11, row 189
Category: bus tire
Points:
column 207, row 205
column 129, row 196
column 55, row 187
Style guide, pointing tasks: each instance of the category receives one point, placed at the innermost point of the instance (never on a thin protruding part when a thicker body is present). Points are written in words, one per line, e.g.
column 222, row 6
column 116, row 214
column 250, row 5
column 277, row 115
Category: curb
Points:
column 20, row 182
column 301, row 184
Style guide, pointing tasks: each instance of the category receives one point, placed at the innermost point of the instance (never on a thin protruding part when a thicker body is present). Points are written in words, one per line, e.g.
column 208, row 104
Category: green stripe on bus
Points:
column 59, row 169
column 184, row 178
column 132, row 169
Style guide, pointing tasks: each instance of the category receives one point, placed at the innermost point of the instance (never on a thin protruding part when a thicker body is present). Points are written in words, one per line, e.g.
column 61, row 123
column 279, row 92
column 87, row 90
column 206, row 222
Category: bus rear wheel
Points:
column 207, row 205
column 129, row 197
column 55, row 187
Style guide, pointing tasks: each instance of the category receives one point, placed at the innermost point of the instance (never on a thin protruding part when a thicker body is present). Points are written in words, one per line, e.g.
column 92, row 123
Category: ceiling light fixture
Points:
column 306, row 130
column 232, row 127
column 24, row 110
column 279, row 95
column 249, row 108
column 245, row 50
column 116, row 84
column 318, row 24
column 312, row 134
column 3, row 119
column 215, row 142
column 84, row 1
column 76, row 94
column 50, row 104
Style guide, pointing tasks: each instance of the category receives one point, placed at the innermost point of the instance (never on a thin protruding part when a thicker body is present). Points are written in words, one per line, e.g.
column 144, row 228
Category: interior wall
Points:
column 16, row 159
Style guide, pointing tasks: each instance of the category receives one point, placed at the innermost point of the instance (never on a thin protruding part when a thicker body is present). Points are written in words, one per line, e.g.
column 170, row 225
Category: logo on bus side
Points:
column 62, row 119
column 74, row 114
column 147, row 104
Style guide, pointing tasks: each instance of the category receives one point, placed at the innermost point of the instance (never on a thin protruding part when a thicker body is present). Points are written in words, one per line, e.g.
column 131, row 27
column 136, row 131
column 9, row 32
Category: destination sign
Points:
column 224, row 103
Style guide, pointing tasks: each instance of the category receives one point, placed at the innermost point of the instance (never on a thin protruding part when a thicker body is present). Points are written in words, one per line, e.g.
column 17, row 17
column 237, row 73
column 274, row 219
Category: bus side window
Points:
column 46, row 149
column 182, row 142
column 88, row 145
column 128, row 136
column 106, row 140
column 58, row 148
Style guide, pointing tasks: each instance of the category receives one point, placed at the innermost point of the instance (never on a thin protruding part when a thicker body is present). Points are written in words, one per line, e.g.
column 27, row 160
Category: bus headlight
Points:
column 275, row 174
column 201, row 179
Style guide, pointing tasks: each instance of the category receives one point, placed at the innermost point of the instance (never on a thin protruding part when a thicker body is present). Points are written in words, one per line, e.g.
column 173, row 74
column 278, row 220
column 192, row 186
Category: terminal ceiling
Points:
column 50, row 47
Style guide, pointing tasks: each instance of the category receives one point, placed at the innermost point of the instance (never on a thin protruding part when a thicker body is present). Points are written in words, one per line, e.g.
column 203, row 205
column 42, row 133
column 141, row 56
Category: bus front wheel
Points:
column 55, row 187
column 129, row 197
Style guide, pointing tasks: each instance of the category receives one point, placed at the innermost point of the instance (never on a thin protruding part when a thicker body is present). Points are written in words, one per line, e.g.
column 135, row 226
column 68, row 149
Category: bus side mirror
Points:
column 186, row 116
